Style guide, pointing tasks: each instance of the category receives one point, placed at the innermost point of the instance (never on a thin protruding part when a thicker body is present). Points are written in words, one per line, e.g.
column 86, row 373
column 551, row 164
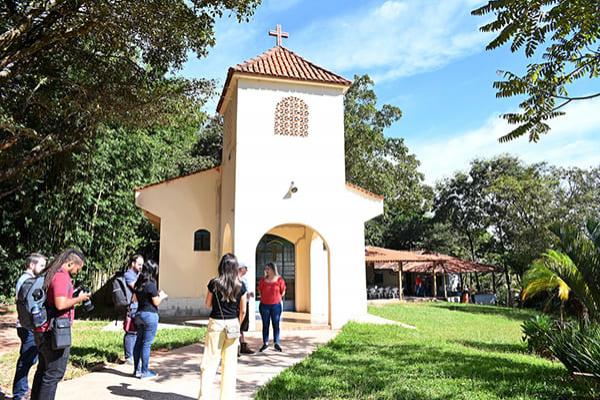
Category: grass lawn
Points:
column 93, row 346
column 456, row 352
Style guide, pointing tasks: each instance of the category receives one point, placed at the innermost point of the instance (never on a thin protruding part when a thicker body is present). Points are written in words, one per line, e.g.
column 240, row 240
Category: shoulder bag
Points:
column 233, row 331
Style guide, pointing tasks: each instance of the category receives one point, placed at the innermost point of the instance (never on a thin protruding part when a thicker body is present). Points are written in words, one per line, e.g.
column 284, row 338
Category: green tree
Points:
column 384, row 166
column 501, row 209
column 67, row 67
column 569, row 32
column 86, row 199
column 574, row 267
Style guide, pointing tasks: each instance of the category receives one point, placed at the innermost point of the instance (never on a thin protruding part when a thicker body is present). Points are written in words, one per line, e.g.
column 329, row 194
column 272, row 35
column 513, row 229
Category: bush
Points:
column 537, row 333
column 578, row 348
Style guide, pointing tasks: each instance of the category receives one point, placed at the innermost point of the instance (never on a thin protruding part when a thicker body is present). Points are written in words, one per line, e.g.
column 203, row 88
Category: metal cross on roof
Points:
column 277, row 32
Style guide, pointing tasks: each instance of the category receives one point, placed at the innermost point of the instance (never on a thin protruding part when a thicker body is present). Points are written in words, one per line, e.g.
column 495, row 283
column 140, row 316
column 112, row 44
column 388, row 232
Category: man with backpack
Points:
column 53, row 338
column 28, row 352
column 136, row 262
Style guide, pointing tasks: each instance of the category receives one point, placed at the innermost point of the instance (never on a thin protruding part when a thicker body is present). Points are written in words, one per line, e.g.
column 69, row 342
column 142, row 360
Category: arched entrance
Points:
column 302, row 258
column 282, row 252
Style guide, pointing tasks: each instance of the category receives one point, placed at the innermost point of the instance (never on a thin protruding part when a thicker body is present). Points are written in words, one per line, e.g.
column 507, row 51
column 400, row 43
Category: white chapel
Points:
column 279, row 195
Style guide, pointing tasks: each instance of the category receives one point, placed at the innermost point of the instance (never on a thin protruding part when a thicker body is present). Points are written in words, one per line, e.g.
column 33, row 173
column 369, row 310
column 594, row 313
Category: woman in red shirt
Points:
column 272, row 291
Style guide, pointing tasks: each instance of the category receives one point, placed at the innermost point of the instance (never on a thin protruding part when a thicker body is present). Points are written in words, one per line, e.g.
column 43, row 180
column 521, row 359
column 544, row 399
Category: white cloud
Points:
column 573, row 141
column 394, row 39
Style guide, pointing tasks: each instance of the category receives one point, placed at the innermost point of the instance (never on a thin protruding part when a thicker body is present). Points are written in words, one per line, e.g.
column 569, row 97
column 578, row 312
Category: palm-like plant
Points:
column 574, row 268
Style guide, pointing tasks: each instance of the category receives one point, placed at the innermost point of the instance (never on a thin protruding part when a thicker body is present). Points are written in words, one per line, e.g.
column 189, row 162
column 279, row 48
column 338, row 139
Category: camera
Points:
column 87, row 305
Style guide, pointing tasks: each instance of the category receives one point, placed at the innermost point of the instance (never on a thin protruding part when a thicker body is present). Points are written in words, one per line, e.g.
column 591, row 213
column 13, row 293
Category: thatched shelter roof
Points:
column 382, row 255
column 450, row 266
column 421, row 262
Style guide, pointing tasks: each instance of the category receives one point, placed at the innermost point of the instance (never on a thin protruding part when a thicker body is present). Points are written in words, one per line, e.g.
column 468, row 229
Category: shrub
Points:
column 537, row 333
column 578, row 348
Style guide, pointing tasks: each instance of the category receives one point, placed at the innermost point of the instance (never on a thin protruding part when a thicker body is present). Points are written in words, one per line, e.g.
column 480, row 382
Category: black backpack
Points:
column 121, row 293
column 31, row 300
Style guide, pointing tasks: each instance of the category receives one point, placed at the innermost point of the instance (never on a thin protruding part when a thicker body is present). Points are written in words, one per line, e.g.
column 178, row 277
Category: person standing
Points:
column 272, row 291
column 418, row 286
column 60, row 304
column 146, row 318
column 28, row 352
column 243, row 270
column 226, row 298
column 136, row 262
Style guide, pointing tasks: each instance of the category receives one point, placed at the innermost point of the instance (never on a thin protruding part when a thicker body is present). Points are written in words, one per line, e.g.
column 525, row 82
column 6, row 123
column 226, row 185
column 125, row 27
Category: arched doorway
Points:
column 273, row 248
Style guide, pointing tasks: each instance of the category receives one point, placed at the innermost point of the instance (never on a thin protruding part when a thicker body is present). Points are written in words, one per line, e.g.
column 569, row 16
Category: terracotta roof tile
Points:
column 363, row 191
column 280, row 62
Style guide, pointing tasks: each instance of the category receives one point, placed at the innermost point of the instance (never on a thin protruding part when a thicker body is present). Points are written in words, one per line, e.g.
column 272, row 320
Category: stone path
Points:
column 179, row 376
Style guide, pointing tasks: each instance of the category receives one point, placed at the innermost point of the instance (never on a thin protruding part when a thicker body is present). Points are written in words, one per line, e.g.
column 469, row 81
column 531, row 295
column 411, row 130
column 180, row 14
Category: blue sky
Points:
column 426, row 57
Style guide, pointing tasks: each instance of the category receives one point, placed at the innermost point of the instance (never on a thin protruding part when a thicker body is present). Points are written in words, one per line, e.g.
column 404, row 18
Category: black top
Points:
column 230, row 309
column 144, row 297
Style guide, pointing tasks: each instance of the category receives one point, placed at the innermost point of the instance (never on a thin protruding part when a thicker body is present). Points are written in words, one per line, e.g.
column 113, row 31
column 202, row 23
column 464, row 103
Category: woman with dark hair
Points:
column 60, row 305
column 146, row 318
column 272, row 292
column 227, row 301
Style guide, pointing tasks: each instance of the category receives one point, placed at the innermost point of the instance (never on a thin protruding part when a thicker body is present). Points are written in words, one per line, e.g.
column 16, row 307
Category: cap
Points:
column 242, row 264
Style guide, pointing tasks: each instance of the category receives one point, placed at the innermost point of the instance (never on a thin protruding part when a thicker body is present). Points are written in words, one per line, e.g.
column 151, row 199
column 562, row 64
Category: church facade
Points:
column 279, row 195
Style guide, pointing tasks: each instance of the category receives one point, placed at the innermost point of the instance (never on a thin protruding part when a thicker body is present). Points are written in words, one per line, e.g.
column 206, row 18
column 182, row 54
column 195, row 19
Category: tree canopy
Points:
column 568, row 32
column 384, row 166
column 67, row 67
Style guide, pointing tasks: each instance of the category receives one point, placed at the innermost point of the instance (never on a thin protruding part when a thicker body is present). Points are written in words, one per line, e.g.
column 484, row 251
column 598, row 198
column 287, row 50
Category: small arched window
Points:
column 291, row 117
column 202, row 240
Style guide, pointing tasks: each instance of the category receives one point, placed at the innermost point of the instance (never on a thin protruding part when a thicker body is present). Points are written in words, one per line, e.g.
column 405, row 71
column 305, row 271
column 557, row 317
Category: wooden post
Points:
column 494, row 283
column 400, row 295
column 434, row 285
column 445, row 287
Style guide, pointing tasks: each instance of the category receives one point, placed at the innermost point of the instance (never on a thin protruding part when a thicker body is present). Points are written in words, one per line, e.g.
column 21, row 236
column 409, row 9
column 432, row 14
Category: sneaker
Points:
column 148, row 375
column 138, row 374
column 278, row 347
column 263, row 347
column 129, row 361
column 245, row 349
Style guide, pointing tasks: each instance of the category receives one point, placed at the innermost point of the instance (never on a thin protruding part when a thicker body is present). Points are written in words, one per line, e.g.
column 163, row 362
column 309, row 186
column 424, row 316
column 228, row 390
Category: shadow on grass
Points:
column 90, row 357
column 359, row 369
column 494, row 347
column 510, row 313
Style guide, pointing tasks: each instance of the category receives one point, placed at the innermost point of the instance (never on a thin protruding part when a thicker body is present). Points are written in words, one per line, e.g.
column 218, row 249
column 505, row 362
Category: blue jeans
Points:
column 270, row 313
column 147, row 324
column 28, row 355
column 130, row 338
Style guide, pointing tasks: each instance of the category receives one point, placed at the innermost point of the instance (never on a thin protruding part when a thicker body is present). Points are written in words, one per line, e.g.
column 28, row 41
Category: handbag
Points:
column 232, row 331
column 61, row 333
column 129, row 324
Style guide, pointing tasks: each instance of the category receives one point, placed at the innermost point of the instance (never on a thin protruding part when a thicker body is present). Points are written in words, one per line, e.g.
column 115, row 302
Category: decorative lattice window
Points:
column 202, row 240
column 291, row 117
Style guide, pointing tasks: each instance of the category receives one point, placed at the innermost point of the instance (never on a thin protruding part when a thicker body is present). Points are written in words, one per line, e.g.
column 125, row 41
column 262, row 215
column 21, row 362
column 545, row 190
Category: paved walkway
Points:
column 179, row 376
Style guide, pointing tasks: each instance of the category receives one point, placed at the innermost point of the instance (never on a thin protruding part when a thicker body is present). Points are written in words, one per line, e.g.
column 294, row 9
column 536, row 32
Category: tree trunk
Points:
column 477, row 282
column 509, row 299
column 494, row 283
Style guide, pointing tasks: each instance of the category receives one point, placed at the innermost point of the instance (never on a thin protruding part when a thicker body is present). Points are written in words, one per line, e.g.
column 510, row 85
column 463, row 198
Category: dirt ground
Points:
column 8, row 334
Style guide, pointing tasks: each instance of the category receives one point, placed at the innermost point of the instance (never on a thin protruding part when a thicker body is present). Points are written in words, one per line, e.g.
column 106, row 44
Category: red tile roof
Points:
column 279, row 62
column 363, row 191
column 139, row 189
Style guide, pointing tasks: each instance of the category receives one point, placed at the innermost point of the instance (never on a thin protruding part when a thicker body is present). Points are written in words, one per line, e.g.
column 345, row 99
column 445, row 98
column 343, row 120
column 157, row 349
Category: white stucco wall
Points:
column 268, row 163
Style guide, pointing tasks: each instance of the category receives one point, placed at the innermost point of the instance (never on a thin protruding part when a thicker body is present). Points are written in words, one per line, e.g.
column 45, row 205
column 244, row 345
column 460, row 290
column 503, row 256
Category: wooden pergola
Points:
column 448, row 265
column 383, row 258
column 403, row 261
